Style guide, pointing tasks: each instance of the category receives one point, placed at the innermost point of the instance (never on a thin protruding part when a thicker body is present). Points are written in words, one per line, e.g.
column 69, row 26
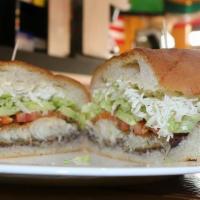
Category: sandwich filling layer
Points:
column 135, row 111
column 41, row 131
column 26, row 96
column 21, row 109
column 106, row 134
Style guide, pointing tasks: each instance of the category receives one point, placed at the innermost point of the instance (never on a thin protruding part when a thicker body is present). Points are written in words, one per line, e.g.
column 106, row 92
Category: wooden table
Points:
column 176, row 187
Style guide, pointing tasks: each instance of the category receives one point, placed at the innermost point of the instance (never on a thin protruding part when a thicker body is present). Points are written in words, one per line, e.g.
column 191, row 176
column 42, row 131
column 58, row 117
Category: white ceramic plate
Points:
column 71, row 165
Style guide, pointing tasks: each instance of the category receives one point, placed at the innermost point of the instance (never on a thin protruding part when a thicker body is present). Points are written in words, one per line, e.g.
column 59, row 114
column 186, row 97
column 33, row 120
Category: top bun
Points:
column 24, row 76
column 170, row 70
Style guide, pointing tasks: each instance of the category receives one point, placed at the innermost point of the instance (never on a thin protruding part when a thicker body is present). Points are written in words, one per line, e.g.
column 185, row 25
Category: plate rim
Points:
column 96, row 171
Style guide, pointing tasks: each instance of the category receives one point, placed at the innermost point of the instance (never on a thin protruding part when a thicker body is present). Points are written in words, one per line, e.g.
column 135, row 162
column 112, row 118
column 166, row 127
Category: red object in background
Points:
column 193, row 22
column 116, row 31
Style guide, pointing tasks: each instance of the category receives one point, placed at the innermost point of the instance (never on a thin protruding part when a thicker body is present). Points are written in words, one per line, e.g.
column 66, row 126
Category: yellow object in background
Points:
column 39, row 3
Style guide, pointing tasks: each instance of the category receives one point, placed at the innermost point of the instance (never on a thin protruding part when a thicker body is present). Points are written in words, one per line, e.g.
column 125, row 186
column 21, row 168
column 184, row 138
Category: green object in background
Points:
column 181, row 8
column 147, row 6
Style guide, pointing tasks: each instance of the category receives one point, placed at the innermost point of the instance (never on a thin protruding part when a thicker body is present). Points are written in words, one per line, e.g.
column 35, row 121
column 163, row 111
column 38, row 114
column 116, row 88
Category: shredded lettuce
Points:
column 82, row 160
column 79, row 160
column 59, row 102
column 126, row 117
column 10, row 105
column 74, row 115
column 90, row 110
column 166, row 113
column 186, row 125
column 7, row 105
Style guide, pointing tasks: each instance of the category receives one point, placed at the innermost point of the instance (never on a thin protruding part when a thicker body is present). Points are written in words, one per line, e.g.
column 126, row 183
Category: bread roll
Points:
column 169, row 71
column 49, row 133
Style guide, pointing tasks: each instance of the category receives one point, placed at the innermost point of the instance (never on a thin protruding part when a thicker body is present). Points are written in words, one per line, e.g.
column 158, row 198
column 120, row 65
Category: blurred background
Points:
column 85, row 32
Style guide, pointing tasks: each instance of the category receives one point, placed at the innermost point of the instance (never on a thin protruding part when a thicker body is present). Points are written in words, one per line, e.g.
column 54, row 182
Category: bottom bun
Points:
column 117, row 153
column 46, row 135
column 187, row 150
column 54, row 148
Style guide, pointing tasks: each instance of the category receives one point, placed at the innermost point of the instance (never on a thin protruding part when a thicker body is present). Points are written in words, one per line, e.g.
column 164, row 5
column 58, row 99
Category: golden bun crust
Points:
column 176, row 70
column 24, row 65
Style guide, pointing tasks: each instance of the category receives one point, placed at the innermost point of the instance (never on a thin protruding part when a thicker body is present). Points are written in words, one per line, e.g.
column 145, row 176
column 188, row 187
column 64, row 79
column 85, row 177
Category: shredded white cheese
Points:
column 34, row 91
column 157, row 111
column 31, row 86
column 22, row 83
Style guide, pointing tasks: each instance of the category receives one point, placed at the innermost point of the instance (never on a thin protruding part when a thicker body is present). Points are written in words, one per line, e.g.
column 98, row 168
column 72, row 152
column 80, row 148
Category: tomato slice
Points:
column 27, row 117
column 6, row 120
column 141, row 129
column 119, row 123
column 123, row 126
column 104, row 115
